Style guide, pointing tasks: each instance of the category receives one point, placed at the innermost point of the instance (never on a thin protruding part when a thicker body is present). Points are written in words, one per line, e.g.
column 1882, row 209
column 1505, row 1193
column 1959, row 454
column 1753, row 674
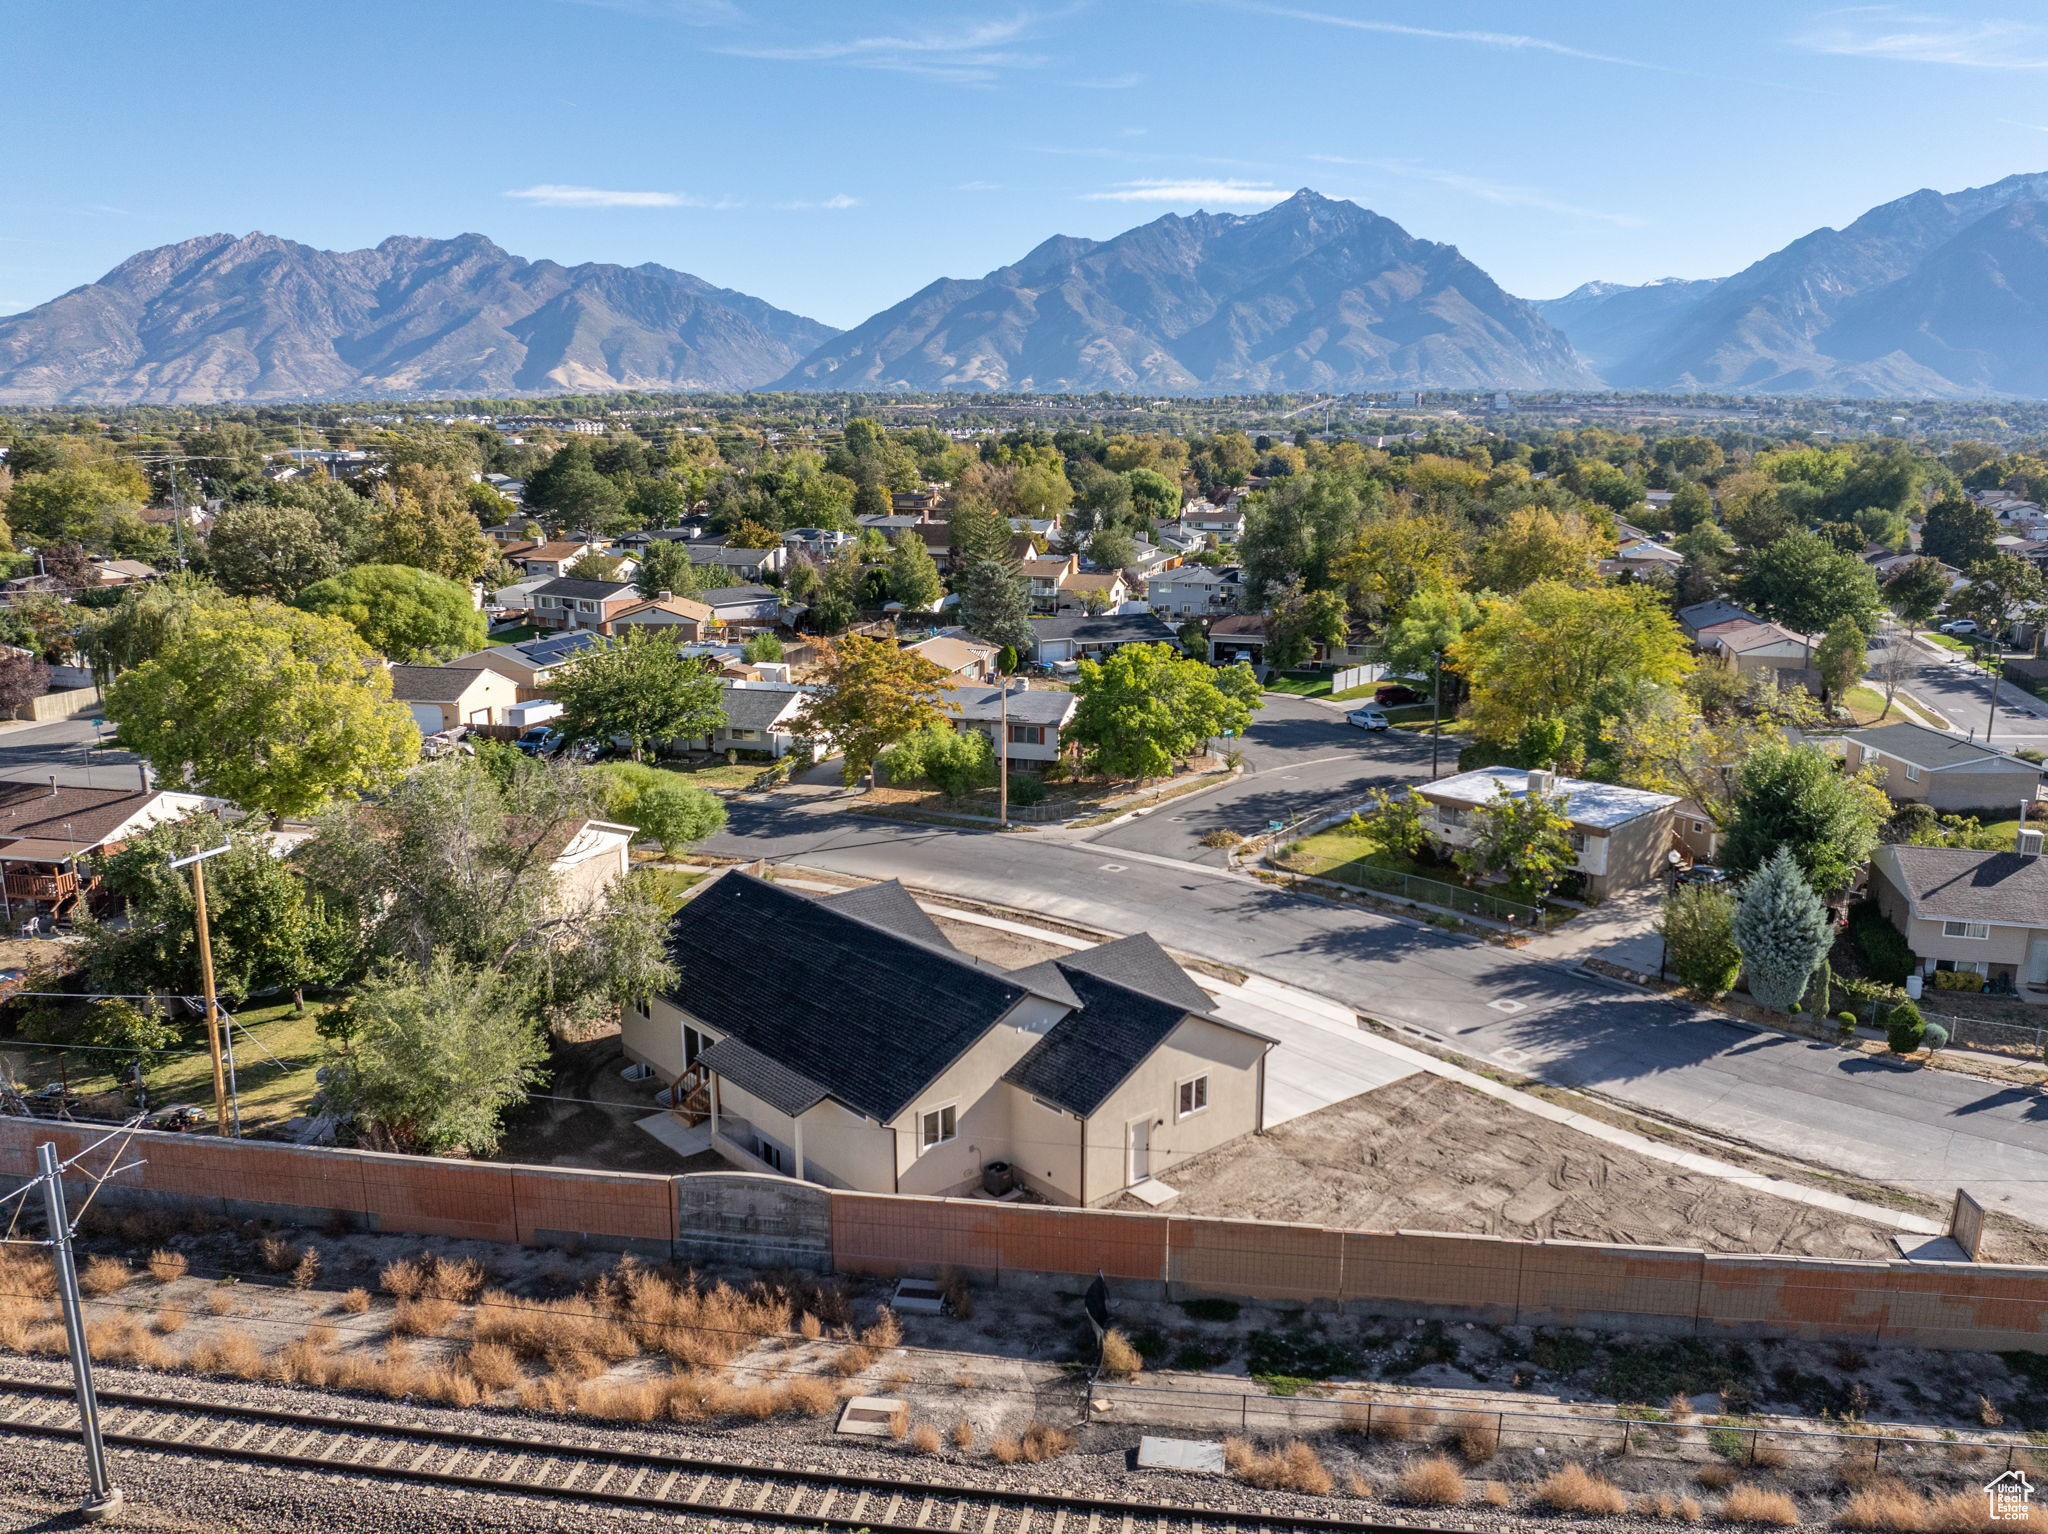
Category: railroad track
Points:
column 646, row 1481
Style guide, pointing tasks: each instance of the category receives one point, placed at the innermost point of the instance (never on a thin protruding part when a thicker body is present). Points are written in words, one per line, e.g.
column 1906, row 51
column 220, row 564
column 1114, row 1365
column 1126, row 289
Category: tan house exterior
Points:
column 964, row 657
column 843, row 1041
column 1621, row 835
column 596, row 855
column 1946, row 772
column 691, row 620
column 1036, row 718
column 1986, row 912
column 441, row 697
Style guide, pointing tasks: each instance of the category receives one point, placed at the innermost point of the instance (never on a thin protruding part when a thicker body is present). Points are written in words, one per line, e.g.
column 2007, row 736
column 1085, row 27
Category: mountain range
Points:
column 1935, row 294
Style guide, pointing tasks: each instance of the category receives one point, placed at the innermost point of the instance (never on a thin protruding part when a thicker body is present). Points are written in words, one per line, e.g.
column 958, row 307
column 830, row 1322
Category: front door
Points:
column 1140, row 1149
column 2037, row 962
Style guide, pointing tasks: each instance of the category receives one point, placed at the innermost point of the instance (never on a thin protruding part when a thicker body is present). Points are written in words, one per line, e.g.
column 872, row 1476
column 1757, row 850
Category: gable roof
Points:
column 890, row 905
column 433, row 684
column 1107, row 628
column 1960, row 884
column 681, row 607
column 550, row 551
column 759, row 705
column 78, row 818
column 729, row 596
column 1141, row 964
column 724, row 554
column 778, row 1086
column 1091, row 1052
column 1741, row 638
column 984, row 701
column 603, row 591
column 1931, row 749
column 1706, row 615
column 869, row 1015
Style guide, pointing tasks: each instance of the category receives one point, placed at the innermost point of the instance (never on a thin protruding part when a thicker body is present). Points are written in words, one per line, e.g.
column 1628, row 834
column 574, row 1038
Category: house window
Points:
column 1027, row 734
column 1699, row 828
column 773, row 1154
column 1576, row 840
column 1194, row 1096
column 586, row 607
column 1978, row 929
column 695, row 1042
column 743, row 734
column 937, row 1127
column 1912, row 773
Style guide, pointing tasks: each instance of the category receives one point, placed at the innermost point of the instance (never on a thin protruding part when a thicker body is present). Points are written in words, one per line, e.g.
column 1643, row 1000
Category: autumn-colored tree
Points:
column 871, row 696
column 1397, row 556
column 1538, row 543
column 423, row 519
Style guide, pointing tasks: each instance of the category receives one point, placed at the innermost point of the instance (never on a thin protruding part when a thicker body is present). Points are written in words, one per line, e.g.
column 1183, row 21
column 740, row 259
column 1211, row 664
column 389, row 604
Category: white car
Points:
column 1960, row 626
column 1367, row 719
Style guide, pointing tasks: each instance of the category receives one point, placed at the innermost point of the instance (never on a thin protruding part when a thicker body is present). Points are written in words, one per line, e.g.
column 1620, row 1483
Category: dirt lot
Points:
column 1429, row 1154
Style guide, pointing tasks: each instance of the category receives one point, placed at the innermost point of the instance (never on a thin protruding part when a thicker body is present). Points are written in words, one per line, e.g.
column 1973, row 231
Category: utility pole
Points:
column 1003, row 753
column 1436, row 716
column 103, row 1497
column 1997, row 676
column 197, row 860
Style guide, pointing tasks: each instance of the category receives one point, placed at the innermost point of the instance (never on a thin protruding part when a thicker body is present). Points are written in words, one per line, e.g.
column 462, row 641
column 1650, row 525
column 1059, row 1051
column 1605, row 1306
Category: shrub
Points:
column 494, row 1366
column 1220, row 839
column 233, row 1353
column 1752, row 1504
column 1401, row 1423
column 423, row 1317
column 1698, row 931
column 809, row 1396
column 962, row 1434
column 1005, row 1450
column 1957, row 980
column 955, row 762
column 1432, row 1482
column 356, row 1301
column 307, row 1269
column 1042, row 1441
column 1886, row 1507
column 1294, row 1467
column 1026, row 789
column 1934, row 1038
column 1477, row 1438
column 170, row 1319
column 1119, row 1358
column 925, row 1438
column 1574, row 1489
column 105, row 1275
column 1886, row 954
column 167, row 1267
column 402, row 1280
column 1904, row 1028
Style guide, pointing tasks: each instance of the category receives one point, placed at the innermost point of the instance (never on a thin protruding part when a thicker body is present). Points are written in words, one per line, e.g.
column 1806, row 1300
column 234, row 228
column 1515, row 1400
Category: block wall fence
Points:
column 768, row 1222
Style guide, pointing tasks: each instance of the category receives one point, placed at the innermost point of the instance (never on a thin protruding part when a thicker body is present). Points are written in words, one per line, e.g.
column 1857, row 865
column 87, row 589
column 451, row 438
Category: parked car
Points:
column 1367, row 719
column 1960, row 627
column 1703, row 873
column 539, row 740
column 1392, row 694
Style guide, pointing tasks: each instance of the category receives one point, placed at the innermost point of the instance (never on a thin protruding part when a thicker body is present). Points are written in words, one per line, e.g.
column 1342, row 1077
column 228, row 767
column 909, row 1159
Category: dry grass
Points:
column 1988, row 1412
column 167, row 1267
column 276, row 1253
column 1496, row 1494
column 1714, row 1477
column 1664, row 1505
column 1292, row 1467
column 401, row 1279
column 1477, row 1437
column 809, row 1327
column 809, row 1396
column 925, row 1438
column 124, row 1340
column 220, row 1301
column 640, row 1399
column 959, row 1298
column 1753, row 1504
column 1042, row 1441
column 1679, row 1408
column 1119, row 1359
column 103, row 1276
column 355, row 1301
column 852, row 1360
column 1884, row 1504
column 170, row 1319
column 962, row 1434
column 1358, row 1486
column 899, row 1422
column 1574, row 1489
column 306, row 1271
column 493, row 1366
column 1432, row 1482
column 885, row 1333
column 233, row 1353
column 1398, row 1424
column 423, row 1317
column 1005, row 1450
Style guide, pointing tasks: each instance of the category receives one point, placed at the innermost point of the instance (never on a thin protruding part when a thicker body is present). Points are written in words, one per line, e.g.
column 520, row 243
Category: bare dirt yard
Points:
column 1429, row 1154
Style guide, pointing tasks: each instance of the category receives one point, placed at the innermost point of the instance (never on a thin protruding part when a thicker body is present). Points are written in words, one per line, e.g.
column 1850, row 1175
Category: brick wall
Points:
column 762, row 1221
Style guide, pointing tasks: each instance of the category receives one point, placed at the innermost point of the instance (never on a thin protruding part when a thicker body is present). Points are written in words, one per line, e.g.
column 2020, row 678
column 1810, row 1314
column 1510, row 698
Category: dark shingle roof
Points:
column 1108, row 628
column 602, row 591
column 718, row 595
column 891, row 906
column 1958, row 884
column 1139, row 963
column 1923, row 747
column 1088, row 1054
column 541, row 653
column 871, row 1016
column 782, row 1089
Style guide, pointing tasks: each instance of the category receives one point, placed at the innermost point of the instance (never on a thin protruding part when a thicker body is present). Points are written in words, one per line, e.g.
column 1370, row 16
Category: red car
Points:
column 1394, row 693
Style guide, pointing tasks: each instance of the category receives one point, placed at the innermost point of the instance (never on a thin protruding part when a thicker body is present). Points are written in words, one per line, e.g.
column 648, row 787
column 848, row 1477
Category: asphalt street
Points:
column 1961, row 693
column 1298, row 759
column 65, row 749
column 1933, row 1131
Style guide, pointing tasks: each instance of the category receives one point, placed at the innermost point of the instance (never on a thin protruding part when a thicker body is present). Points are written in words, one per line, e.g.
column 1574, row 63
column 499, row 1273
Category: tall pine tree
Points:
column 1783, row 931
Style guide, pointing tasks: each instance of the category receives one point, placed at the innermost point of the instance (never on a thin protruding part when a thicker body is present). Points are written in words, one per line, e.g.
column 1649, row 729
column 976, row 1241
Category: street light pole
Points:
column 197, row 860
column 103, row 1497
column 1997, row 676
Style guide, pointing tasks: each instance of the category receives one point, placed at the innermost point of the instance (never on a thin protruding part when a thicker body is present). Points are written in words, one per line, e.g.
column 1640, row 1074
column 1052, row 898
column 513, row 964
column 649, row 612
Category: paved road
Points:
column 64, row 750
column 1961, row 693
column 1298, row 758
column 1930, row 1130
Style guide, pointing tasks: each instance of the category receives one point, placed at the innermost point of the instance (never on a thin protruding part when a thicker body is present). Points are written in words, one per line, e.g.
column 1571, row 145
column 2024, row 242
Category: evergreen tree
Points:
column 1782, row 930
column 913, row 576
column 995, row 604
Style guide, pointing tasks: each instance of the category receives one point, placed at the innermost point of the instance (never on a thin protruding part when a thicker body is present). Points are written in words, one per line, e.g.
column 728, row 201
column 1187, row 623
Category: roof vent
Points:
column 1542, row 780
column 2029, row 844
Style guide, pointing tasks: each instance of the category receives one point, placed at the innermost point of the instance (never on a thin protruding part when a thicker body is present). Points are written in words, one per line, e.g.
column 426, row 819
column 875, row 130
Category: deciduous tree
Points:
column 871, row 696
column 1806, row 583
column 637, row 687
column 407, row 613
column 422, row 518
column 1525, row 836
column 1540, row 543
column 1916, row 592
column 259, row 550
column 1794, row 799
column 1302, row 620
column 1698, row 928
column 1147, row 707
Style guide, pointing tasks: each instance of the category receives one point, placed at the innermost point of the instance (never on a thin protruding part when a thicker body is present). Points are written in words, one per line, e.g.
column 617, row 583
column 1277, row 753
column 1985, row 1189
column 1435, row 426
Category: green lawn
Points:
column 716, row 772
column 1335, row 847
column 1865, row 704
column 1302, row 684
column 1946, row 641
column 671, row 884
column 519, row 635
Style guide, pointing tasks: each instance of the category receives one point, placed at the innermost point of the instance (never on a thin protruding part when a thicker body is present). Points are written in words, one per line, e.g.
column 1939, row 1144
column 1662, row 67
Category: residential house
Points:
column 819, row 542
column 1738, row 639
column 1643, row 559
column 690, row 528
column 924, row 502
column 1149, row 561
column 1195, row 591
column 736, row 566
column 1945, row 772
column 592, row 855
column 45, row 829
column 441, row 697
column 1984, row 912
column 531, row 663
column 124, row 572
column 549, row 560
column 691, row 621
column 1184, row 541
column 746, row 606
column 1239, row 637
column 1037, row 718
column 1082, row 637
column 843, row 1041
column 570, row 604
column 758, row 717
column 1703, row 618
column 965, row 658
column 1620, row 835
column 1047, row 576
column 1108, row 589
column 1225, row 523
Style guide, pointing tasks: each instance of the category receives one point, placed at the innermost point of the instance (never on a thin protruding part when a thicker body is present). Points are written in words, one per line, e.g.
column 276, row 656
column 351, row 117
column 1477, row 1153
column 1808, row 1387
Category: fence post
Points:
column 1753, row 1434
column 1625, row 1426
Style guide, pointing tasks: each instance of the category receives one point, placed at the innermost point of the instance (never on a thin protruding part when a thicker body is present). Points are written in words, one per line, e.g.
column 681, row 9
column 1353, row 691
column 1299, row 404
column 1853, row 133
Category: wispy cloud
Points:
column 970, row 55
column 1244, row 192
column 552, row 195
column 840, row 200
column 1503, row 193
column 979, row 186
column 1515, row 41
column 1887, row 32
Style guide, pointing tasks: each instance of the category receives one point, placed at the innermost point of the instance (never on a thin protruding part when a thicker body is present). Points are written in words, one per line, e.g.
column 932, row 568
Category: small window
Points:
column 1699, row 828
column 1912, row 773
column 1977, row 929
column 772, row 1153
column 937, row 1127
column 1194, row 1096
column 1050, row 1107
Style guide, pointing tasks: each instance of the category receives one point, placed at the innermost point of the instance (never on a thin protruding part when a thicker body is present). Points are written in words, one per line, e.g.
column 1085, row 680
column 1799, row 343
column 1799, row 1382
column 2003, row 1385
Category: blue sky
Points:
column 832, row 156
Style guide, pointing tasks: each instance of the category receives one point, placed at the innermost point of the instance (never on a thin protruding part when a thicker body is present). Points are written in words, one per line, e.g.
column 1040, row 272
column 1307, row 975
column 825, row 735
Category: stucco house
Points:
column 1946, row 772
column 441, row 697
column 1195, row 591
column 1037, row 718
column 690, row 620
column 571, row 604
column 1620, row 834
column 1080, row 637
column 531, row 662
column 1986, row 912
column 844, row 1041
column 964, row 657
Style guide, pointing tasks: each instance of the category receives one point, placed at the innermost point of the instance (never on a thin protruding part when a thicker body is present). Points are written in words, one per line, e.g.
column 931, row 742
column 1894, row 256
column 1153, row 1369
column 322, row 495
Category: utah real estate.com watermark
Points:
column 2010, row 1495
